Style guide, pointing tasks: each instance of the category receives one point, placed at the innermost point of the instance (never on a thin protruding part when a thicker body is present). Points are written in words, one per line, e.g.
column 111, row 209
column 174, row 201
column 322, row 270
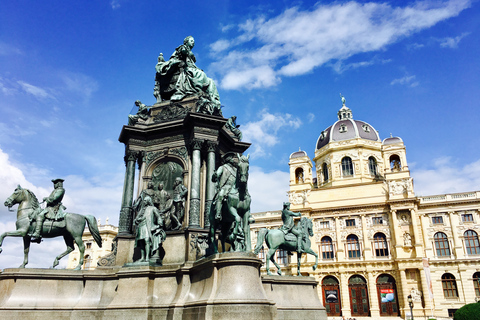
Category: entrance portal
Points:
column 359, row 304
column 387, row 295
column 331, row 296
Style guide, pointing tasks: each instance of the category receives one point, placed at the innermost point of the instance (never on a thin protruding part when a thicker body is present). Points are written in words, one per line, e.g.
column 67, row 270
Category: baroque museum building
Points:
column 378, row 243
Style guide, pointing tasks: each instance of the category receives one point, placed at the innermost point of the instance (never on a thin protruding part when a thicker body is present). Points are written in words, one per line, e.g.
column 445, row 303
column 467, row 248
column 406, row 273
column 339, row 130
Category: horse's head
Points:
column 242, row 170
column 307, row 225
column 17, row 197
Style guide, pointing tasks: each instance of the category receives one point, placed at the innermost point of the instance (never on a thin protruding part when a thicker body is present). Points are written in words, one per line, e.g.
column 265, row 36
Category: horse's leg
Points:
column 81, row 248
column 69, row 242
column 270, row 254
column 272, row 258
column 26, row 249
column 299, row 257
column 310, row 251
column 22, row 232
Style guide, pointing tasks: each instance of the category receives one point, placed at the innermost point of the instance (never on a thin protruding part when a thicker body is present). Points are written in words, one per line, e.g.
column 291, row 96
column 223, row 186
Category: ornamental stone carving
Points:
column 172, row 112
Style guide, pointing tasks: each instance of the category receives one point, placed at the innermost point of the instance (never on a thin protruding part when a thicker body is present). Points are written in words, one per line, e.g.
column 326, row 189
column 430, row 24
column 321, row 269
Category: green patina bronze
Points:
column 230, row 210
column 55, row 224
column 150, row 231
column 179, row 77
column 288, row 237
column 142, row 114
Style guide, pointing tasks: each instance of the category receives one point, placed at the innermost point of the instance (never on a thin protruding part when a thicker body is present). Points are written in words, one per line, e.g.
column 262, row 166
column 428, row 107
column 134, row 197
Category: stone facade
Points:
column 93, row 253
column 373, row 235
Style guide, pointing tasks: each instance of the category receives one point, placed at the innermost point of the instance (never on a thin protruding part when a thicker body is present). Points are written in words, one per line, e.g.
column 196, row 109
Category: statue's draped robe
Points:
column 191, row 80
column 147, row 227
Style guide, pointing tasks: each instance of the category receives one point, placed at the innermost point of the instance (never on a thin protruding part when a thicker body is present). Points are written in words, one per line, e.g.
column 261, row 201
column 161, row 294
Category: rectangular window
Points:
column 412, row 275
column 350, row 222
column 89, row 245
column 282, row 257
column 437, row 220
column 325, row 225
column 468, row 217
column 377, row 220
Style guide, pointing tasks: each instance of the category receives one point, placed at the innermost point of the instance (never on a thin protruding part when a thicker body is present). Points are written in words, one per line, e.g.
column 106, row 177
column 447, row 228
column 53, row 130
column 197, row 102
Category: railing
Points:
column 451, row 197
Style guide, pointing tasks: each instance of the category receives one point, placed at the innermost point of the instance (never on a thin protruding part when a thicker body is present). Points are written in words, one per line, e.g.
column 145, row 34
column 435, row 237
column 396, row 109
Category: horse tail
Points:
column 93, row 227
column 260, row 238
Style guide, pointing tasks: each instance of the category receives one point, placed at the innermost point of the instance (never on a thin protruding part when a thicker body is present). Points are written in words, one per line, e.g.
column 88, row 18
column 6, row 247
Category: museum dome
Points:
column 347, row 128
column 298, row 154
column 392, row 140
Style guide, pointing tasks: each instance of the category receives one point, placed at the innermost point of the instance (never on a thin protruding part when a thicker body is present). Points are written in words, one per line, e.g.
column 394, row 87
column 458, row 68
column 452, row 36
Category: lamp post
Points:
column 410, row 304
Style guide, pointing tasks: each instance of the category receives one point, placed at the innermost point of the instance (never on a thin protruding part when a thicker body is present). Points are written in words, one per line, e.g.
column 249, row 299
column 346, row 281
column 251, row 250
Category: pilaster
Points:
column 417, row 238
column 457, row 243
column 373, row 297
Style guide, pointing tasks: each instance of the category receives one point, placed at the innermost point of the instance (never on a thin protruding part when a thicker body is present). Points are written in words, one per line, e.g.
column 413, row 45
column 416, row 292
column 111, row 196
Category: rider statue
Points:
column 289, row 225
column 54, row 208
column 179, row 195
column 226, row 176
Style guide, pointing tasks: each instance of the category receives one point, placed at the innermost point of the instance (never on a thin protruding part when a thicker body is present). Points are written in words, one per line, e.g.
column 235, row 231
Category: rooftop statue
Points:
column 343, row 100
column 57, row 223
column 179, row 78
column 142, row 114
column 233, row 126
column 230, row 210
column 286, row 238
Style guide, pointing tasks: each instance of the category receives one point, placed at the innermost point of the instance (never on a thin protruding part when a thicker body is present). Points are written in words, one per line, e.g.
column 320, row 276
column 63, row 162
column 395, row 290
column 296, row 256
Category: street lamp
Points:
column 410, row 304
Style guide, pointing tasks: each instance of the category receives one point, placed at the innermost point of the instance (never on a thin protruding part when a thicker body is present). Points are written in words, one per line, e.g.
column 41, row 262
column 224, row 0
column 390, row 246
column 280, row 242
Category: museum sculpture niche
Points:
column 192, row 193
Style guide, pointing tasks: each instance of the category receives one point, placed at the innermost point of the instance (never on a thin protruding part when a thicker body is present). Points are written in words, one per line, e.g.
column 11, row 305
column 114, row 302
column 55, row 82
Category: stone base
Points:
column 223, row 286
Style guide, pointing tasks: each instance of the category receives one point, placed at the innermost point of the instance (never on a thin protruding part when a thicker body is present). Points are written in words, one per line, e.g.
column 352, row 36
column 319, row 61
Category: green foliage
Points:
column 468, row 312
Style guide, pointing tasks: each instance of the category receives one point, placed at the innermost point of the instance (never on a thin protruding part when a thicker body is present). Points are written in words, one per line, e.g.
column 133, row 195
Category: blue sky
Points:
column 71, row 71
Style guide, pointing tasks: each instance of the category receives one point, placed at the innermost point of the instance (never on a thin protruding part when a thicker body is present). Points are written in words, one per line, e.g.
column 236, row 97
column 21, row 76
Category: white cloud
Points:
column 268, row 189
column 452, row 42
column 264, row 132
column 7, row 49
column 297, row 41
column 340, row 66
column 445, row 176
column 34, row 90
column 115, row 4
column 80, row 84
column 99, row 196
column 407, row 81
column 310, row 117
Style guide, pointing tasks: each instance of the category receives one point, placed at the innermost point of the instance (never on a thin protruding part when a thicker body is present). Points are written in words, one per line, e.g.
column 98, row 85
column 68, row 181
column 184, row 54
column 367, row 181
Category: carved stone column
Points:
column 397, row 232
column 417, row 240
column 457, row 243
column 210, row 192
column 194, row 214
column 126, row 214
column 340, row 245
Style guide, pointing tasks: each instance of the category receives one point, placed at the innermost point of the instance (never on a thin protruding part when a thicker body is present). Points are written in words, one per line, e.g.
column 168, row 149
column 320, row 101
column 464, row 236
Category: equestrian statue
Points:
column 33, row 223
column 290, row 237
column 230, row 210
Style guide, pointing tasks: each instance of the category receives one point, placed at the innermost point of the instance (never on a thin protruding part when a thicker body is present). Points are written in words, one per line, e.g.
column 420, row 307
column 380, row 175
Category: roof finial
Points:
column 299, row 149
column 391, row 135
column 343, row 100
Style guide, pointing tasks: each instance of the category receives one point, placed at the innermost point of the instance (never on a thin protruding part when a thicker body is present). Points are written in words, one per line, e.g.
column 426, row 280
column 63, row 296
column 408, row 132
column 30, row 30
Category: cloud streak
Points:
column 298, row 41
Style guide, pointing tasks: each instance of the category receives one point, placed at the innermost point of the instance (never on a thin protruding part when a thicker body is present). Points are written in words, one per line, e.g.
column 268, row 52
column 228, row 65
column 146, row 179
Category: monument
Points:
column 183, row 250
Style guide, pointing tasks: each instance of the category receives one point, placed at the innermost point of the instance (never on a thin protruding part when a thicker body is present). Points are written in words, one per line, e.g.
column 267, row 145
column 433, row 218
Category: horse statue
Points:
column 71, row 227
column 234, row 224
column 276, row 239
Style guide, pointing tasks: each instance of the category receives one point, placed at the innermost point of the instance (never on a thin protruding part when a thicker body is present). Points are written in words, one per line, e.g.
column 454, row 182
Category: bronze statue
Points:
column 289, row 224
column 53, row 210
column 230, row 210
column 150, row 234
column 71, row 227
column 232, row 126
column 179, row 196
column 139, row 204
column 142, row 114
column 179, row 77
column 277, row 239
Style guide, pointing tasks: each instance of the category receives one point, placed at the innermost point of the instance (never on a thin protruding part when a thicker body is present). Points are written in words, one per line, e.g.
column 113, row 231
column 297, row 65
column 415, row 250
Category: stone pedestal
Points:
column 223, row 286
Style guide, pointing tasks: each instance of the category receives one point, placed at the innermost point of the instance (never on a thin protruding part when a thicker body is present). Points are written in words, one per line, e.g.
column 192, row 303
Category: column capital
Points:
column 196, row 144
column 211, row 146
column 131, row 155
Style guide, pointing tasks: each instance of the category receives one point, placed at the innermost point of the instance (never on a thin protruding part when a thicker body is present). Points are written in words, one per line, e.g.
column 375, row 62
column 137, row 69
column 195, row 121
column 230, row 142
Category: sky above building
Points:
column 71, row 71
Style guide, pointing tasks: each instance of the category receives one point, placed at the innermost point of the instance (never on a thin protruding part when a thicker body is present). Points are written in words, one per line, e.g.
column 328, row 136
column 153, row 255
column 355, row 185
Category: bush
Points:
column 468, row 312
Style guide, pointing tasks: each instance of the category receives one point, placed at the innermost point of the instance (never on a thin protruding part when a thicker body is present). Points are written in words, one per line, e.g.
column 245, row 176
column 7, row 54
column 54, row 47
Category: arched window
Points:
column 87, row 262
column 476, row 284
column 395, row 163
column 449, row 286
column 380, row 244
column 347, row 167
column 327, row 248
column 325, row 172
column 299, row 175
column 372, row 166
column 353, row 246
column 441, row 244
column 471, row 242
